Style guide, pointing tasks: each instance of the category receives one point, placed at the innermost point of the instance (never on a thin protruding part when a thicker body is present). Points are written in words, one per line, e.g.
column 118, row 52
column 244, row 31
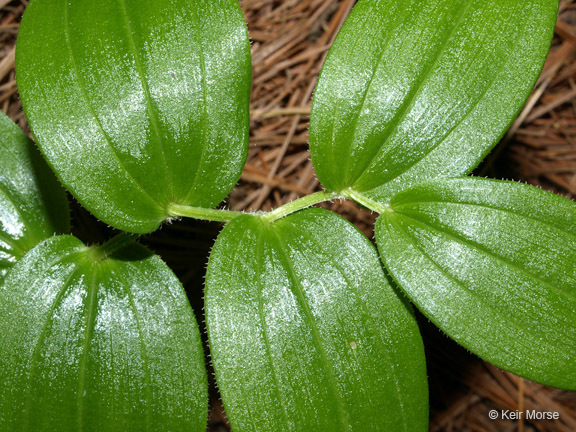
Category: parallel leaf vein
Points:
column 90, row 322
column 81, row 85
column 126, row 287
column 505, row 317
column 18, row 208
column 204, row 121
column 391, row 33
column 259, row 289
column 153, row 115
column 343, row 414
column 371, row 324
column 503, row 210
column 43, row 332
column 429, row 151
column 417, row 88
column 483, row 250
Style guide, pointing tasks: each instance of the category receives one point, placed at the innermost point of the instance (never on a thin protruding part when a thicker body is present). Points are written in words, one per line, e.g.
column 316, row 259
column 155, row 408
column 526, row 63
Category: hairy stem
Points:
column 365, row 201
column 215, row 215
column 299, row 204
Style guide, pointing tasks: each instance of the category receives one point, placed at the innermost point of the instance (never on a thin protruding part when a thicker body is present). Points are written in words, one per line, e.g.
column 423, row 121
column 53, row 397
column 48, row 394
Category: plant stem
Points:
column 365, row 201
column 178, row 210
column 215, row 215
column 113, row 245
column 299, row 204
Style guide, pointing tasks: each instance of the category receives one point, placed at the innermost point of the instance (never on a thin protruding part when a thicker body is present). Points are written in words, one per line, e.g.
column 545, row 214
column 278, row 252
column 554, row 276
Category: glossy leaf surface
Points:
column 493, row 264
column 417, row 89
column 138, row 104
column 98, row 344
column 33, row 205
column 305, row 332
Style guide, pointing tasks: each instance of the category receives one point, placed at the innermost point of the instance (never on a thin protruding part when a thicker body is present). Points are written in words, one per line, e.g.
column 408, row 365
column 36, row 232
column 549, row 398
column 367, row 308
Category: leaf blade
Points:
column 381, row 121
column 303, row 324
column 495, row 267
column 98, row 344
column 139, row 108
column 33, row 206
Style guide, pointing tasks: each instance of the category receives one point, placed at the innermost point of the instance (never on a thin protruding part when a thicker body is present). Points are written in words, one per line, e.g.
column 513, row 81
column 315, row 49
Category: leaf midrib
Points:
column 259, row 289
column 81, row 89
column 299, row 294
column 152, row 114
column 521, row 326
column 144, row 352
column 394, row 123
column 90, row 322
column 44, row 330
column 490, row 254
column 370, row 323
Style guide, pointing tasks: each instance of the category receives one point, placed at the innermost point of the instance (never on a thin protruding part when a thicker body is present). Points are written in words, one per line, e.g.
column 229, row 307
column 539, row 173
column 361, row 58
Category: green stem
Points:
column 178, row 210
column 113, row 245
column 365, row 201
column 299, row 204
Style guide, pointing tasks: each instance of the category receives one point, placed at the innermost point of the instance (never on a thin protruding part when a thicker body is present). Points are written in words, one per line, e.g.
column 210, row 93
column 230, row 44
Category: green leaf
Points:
column 305, row 332
column 98, row 344
column 493, row 264
column 33, row 206
column 138, row 104
column 417, row 89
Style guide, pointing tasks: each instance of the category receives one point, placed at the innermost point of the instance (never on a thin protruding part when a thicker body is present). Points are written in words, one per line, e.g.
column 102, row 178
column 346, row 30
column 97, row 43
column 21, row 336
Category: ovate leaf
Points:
column 33, row 206
column 138, row 104
column 305, row 332
column 98, row 344
column 493, row 264
column 416, row 89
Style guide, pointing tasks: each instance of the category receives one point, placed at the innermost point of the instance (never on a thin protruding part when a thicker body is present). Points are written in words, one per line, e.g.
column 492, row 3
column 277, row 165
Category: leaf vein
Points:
column 417, row 89
column 91, row 306
column 490, row 254
column 500, row 209
column 299, row 293
column 428, row 152
column 204, row 122
column 259, row 289
column 154, row 120
column 42, row 335
column 81, row 85
column 369, row 322
column 126, row 288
